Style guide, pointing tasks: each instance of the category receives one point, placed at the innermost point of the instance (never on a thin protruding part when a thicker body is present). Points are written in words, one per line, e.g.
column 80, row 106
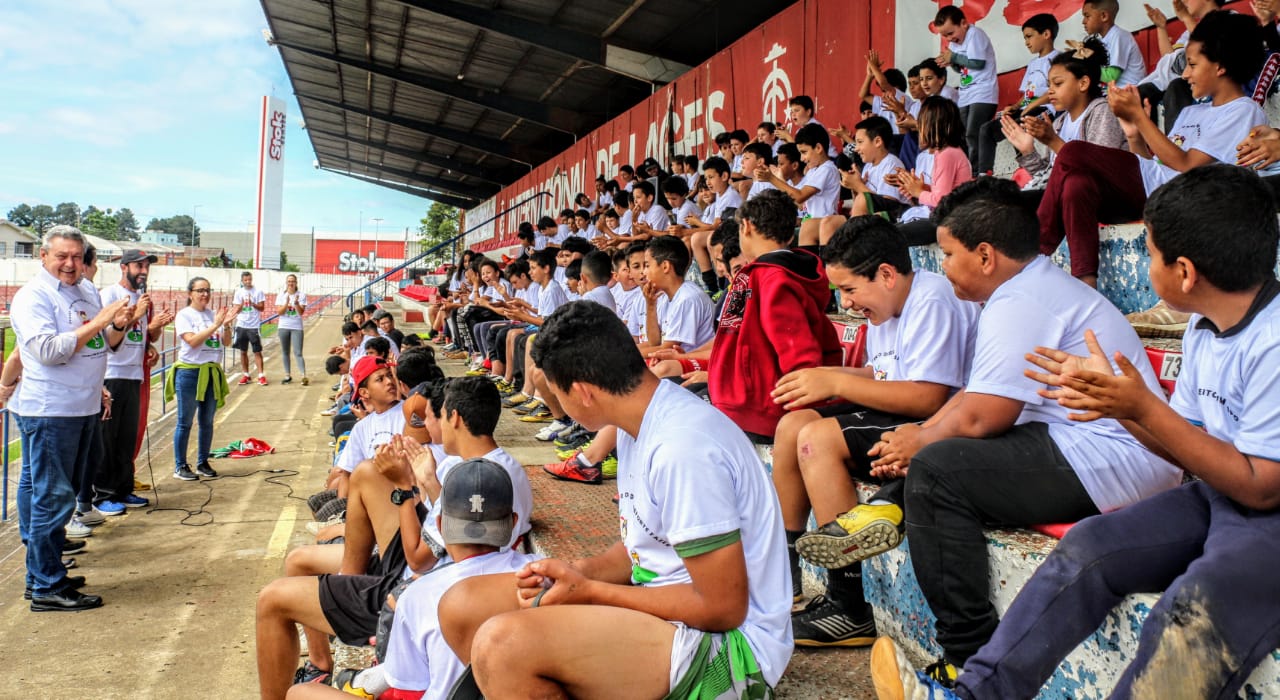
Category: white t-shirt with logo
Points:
column 690, row 318
column 1214, row 131
column 873, row 176
column 664, row 506
column 248, row 317
column 1123, row 52
column 418, row 657
column 1035, row 82
column 930, row 341
column 289, row 318
column 188, row 320
column 1044, row 306
column 977, row 85
column 826, row 179
column 126, row 361
column 1230, row 383
column 70, row 385
column 369, row 433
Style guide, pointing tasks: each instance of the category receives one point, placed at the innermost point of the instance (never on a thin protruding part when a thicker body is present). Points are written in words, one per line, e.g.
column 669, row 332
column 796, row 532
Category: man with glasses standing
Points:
column 64, row 334
column 113, row 485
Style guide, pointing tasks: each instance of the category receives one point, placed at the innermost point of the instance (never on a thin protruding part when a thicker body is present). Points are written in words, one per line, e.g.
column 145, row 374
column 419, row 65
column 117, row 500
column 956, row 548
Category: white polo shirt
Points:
column 57, row 380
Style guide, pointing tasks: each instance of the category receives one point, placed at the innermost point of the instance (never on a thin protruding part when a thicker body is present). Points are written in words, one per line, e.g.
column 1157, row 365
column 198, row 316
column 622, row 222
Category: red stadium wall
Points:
column 814, row 47
column 353, row 256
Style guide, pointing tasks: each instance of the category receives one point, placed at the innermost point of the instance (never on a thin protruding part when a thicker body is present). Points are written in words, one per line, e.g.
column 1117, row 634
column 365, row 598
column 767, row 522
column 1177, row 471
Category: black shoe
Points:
column 69, row 563
column 287, row 380
column 74, row 583
column 826, row 623
column 310, row 673
column 185, row 474
column 70, row 546
column 67, row 600
column 206, row 471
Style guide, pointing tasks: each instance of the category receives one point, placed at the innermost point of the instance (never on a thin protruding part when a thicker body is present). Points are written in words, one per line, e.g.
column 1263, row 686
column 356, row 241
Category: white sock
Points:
column 582, row 459
column 880, row 502
column 372, row 680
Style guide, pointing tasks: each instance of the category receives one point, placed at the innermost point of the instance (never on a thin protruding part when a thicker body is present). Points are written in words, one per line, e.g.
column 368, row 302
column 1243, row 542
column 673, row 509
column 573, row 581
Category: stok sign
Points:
column 276, row 147
column 350, row 262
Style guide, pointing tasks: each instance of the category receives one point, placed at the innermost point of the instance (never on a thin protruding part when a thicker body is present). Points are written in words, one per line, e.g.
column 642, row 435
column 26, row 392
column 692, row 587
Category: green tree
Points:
column 286, row 266
column 20, row 215
column 97, row 222
column 126, row 225
column 41, row 218
column 67, row 213
column 439, row 225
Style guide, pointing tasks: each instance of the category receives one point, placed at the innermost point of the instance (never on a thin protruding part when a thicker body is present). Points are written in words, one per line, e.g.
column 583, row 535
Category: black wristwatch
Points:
column 399, row 496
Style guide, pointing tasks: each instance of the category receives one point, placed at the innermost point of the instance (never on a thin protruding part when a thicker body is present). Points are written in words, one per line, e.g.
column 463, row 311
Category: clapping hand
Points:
column 1089, row 384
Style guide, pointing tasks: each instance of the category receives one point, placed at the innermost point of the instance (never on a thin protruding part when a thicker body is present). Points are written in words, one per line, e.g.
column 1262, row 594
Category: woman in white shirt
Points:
column 196, row 378
column 290, row 305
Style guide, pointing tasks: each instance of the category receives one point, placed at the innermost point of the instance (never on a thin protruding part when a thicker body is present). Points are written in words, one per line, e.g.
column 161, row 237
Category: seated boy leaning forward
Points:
column 919, row 345
column 676, row 592
column 478, row 516
column 998, row 452
column 1212, row 236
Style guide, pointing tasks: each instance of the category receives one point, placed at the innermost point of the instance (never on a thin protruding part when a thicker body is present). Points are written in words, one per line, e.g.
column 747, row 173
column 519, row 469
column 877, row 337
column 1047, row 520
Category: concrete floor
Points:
column 179, row 609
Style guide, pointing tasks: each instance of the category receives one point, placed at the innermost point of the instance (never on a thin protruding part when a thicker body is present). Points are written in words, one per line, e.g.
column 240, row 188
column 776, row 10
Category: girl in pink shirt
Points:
column 942, row 137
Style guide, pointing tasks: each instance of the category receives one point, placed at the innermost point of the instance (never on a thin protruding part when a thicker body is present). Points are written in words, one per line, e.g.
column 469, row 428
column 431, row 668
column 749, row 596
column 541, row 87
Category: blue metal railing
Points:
column 420, row 256
column 162, row 371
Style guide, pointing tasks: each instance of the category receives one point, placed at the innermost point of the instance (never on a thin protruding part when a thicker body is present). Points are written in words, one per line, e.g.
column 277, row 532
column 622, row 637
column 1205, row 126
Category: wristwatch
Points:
column 399, row 496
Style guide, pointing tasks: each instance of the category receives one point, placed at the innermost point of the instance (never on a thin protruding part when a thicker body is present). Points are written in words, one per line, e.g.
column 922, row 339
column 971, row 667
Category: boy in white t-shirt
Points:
column 250, row 301
column 818, row 193
column 970, row 53
column 717, row 173
column 593, row 285
column 680, row 207
column 871, row 194
column 680, row 570
column 919, row 343
column 688, row 319
column 1127, row 66
column 757, row 158
column 1038, row 33
column 997, row 451
column 1212, row 237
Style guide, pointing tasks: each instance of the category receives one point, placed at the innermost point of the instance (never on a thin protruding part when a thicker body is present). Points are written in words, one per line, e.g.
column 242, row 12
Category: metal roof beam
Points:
column 637, row 65
column 525, row 155
column 486, row 174
column 458, row 202
column 447, row 186
column 568, row 121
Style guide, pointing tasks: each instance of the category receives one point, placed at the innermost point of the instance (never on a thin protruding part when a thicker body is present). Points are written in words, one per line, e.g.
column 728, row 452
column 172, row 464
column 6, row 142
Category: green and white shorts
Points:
column 714, row 666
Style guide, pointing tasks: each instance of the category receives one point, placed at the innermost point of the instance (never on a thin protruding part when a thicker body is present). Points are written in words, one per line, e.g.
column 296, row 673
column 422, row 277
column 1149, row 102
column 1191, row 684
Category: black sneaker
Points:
column 826, row 623
column 310, row 673
column 206, row 471
column 184, row 473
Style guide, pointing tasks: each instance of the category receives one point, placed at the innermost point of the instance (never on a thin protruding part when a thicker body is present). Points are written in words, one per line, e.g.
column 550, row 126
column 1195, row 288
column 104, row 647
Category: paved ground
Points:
column 180, row 598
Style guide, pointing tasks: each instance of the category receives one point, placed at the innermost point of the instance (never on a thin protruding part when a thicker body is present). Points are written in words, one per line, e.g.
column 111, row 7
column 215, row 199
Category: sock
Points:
column 793, row 559
column 709, row 280
column 582, row 459
column 880, row 502
column 372, row 680
column 844, row 586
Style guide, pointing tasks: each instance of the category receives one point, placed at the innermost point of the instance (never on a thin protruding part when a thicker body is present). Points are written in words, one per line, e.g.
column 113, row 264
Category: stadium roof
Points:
column 454, row 99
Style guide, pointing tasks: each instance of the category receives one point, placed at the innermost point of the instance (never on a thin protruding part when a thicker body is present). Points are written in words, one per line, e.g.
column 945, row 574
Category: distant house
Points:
column 17, row 242
column 160, row 237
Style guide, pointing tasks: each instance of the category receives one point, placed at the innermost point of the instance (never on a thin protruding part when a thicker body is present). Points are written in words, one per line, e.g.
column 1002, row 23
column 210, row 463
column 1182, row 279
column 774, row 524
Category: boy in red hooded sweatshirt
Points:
column 773, row 320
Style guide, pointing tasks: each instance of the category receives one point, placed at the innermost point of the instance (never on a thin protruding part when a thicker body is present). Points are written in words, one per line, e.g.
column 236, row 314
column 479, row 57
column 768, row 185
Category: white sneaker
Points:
column 332, row 410
column 549, row 432
column 77, row 530
column 92, row 517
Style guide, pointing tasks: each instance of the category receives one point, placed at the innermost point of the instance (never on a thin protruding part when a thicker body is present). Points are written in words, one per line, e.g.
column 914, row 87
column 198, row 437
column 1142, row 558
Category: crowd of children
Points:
column 1005, row 391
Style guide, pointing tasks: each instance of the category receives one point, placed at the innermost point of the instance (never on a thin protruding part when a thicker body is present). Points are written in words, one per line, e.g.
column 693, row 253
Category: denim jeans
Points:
column 291, row 348
column 55, row 451
column 189, row 409
column 1218, row 617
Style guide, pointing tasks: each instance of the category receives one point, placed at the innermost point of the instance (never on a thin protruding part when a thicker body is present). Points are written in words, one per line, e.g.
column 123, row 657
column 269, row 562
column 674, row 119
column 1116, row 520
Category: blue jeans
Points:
column 1219, row 612
column 54, row 454
column 188, row 408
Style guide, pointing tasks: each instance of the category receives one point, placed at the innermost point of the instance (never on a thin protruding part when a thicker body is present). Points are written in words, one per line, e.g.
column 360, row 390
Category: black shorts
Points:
column 351, row 603
column 246, row 338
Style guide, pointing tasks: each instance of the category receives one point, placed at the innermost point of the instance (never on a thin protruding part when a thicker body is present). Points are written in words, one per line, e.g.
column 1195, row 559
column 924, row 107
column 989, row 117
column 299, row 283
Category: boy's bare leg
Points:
column 510, row 375
column 315, row 691
column 371, row 518
column 606, row 439
column 313, row 560
column 822, row 452
column 284, row 603
column 548, row 396
column 698, row 243
column 787, row 480
column 831, row 224
column 809, row 231
column 572, row 651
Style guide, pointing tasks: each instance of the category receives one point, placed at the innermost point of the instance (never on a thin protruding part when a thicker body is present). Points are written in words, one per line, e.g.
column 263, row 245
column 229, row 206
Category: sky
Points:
column 154, row 105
